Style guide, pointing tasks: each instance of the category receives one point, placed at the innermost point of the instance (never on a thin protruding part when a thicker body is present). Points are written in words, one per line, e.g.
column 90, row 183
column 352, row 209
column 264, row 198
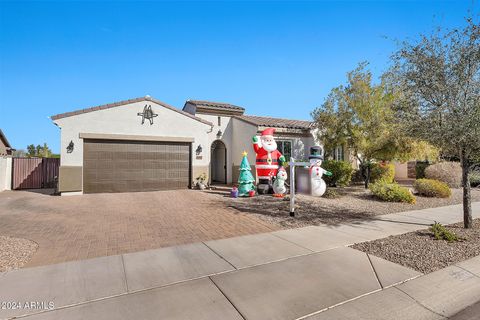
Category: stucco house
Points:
column 145, row 144
column 5, row 147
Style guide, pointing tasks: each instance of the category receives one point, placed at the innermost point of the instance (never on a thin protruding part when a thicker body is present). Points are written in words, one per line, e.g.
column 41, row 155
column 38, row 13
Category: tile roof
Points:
column 215, row 105
column 124, row 102
column 276, row 122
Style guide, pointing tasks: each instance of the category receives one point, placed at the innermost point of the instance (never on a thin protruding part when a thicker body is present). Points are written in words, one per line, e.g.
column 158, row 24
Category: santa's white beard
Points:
column 270, row 147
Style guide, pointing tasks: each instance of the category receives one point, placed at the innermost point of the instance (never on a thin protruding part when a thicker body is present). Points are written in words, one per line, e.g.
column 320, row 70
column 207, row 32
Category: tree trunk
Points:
column 367, row 175
column 467, row 200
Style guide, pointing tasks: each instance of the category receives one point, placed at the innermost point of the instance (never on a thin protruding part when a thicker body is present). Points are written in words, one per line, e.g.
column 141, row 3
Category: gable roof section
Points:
column 4, row 139
column 124, row 102
column 276, row 122
column 215, row 106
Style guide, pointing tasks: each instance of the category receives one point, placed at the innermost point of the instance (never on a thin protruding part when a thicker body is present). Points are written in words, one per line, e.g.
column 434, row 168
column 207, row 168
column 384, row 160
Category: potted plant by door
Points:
column 200, row 181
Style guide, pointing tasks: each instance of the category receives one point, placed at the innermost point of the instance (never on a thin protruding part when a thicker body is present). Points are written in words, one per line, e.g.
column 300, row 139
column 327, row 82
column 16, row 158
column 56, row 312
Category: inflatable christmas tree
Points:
column 246, row 182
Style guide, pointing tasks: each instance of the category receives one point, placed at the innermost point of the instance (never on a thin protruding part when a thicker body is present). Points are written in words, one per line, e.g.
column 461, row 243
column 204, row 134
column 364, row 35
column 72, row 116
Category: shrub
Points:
column 432, row 188
column 442, row 233
column 331, row 194
column 341, row 173
column 357, row 176
column 392, row 192
column 448, row 172
column 420, row 169
column 475, row 178
column 381, row 172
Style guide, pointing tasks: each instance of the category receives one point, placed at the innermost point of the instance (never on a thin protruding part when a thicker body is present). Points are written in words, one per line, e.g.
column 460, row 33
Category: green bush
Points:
column 392, row 192
column 331, row 194
column 475, row 178
column 341, row 173
column 380, row 172
column 420, row 169
column 442, row 233
column 448, row 172
column 432, row 188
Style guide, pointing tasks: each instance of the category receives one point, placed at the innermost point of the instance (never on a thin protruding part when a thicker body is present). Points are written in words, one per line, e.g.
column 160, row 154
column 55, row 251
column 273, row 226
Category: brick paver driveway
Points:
column 87, row 226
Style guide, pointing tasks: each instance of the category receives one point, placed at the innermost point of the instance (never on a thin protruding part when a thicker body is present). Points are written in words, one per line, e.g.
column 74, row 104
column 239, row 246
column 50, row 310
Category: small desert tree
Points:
column 39, row 151
column 360, row 116
column 439, row 77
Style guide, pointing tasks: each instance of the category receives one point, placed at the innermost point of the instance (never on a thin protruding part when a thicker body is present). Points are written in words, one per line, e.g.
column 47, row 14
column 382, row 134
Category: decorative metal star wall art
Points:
column 147, row 114
column 70, row 147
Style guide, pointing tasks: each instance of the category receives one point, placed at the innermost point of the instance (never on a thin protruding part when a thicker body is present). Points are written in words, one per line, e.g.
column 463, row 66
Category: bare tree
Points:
column 438, row 78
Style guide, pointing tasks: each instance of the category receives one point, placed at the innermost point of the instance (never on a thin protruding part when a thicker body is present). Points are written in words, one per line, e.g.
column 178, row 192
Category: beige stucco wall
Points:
column 124, row 120
column 71, row 179
column 5, row 173
column 226, row 128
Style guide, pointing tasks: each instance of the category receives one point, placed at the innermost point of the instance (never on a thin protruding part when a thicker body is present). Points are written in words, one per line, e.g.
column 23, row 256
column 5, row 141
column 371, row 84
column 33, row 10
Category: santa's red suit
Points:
column 267, row 162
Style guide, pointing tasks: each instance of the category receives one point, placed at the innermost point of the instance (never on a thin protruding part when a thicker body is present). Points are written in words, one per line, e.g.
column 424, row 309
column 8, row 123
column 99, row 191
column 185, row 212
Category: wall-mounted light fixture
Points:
column 219, row 134
column 199, row 150
column 70, row 147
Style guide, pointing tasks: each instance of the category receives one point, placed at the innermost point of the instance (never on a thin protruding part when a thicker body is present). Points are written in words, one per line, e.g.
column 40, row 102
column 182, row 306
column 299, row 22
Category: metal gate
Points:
column 34, row 173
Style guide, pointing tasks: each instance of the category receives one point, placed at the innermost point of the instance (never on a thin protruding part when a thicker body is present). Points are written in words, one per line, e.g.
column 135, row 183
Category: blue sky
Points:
column 273, row 58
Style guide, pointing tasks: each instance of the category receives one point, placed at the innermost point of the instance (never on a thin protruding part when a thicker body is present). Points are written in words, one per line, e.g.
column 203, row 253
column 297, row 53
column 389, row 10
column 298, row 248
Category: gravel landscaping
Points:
column 353, row 203
column 15, row 252
column 418, row 250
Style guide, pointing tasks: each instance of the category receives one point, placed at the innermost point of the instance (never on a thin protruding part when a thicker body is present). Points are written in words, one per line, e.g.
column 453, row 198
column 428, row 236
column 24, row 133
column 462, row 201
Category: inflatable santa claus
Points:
column 269, row 159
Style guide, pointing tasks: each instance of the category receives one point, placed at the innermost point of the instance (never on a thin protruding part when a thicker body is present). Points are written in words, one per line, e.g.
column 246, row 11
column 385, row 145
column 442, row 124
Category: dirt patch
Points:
column 420, row 251
column 353, row 203
column 15, row 252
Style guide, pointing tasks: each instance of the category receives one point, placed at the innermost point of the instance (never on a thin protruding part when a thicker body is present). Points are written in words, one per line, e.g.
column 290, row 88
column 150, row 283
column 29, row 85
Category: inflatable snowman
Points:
column 279, row 188
column 318, row 186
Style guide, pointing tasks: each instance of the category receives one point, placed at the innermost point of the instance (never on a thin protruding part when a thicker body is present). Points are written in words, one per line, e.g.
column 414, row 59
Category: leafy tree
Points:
column 39, row 151
column 439, row 80
column 31, row 151
column 360, row 116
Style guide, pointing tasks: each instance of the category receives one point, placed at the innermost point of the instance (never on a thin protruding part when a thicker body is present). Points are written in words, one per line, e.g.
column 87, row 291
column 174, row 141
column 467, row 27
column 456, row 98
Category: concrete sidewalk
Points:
column 290, row 274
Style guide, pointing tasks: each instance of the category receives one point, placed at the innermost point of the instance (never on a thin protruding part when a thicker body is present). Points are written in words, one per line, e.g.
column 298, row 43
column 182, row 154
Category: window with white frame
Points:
column 338, row 154
column 285, row 148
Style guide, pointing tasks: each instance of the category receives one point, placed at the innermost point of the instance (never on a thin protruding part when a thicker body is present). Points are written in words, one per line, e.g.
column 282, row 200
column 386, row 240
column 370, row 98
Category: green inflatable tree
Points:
column 246, row 182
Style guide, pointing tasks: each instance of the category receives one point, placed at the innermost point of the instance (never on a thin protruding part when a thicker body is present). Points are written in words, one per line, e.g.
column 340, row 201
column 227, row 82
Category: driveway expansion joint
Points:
column 298, row 245
column 228, row 299
column 124, row 274
column 374, row 271
column 221, row 257
column 474, row 274
column 421, row 304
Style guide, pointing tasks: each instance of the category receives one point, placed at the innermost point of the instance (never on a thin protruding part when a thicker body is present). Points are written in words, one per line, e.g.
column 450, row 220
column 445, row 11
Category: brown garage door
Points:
column 126, row 166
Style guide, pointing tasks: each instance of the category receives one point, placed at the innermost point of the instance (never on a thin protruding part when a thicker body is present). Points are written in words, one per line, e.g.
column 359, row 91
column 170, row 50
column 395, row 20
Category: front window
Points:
column 338, row 153
column 285, row 147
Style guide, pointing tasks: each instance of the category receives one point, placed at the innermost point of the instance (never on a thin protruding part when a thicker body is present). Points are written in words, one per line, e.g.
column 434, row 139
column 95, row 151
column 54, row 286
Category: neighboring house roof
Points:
column 124, row 102
column 215, row 106
column 4, row 140
column 276, row 122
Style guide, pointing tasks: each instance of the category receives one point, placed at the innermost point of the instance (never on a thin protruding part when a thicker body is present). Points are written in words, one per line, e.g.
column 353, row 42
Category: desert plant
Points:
column 475, row 178
column 440, row 232
column 382, row 172
column 331, row 194
column 432, row 188
column 392, row 192
column 341, row 173
column 448, row 172
column 420, row 167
